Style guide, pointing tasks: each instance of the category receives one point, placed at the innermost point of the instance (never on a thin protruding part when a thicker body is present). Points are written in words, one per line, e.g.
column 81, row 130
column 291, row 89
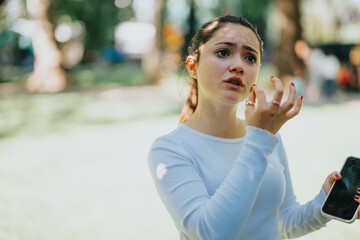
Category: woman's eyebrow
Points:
column 247, row 47
column 226, row 43
column 231, row 44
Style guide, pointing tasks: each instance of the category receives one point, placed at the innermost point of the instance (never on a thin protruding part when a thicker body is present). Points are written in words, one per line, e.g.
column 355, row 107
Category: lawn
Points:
column 73, row 165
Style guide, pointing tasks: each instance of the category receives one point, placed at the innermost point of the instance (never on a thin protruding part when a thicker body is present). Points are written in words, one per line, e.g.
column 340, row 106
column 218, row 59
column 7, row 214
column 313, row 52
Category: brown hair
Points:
column 203, row 35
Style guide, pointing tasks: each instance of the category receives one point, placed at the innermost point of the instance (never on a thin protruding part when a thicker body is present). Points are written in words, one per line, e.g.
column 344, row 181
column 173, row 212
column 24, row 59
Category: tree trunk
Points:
column 191, row 24
column 152, row 62
column 290, row 32
column 48, row 76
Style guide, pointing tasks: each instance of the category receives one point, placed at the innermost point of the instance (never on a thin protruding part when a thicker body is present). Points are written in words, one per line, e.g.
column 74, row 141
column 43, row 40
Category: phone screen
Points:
column 340, row 203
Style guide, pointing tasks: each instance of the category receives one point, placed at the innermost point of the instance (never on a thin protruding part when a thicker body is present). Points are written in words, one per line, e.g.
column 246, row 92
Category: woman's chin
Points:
column 234, row 98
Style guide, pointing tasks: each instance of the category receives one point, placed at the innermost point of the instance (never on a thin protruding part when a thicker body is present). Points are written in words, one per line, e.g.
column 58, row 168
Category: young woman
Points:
column 221, row 177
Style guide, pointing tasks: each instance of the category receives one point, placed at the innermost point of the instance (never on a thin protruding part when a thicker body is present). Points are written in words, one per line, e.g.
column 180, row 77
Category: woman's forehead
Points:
column 235, row 33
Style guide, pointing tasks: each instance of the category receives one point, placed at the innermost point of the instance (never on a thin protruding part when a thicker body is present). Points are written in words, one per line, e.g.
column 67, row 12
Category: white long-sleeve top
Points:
column 216, row 188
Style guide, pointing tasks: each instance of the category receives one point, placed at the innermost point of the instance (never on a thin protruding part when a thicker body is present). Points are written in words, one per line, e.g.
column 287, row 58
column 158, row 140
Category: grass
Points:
column 125, row 74
column 37, row 114
column 91, row 181
column 73, row 165
column 87, row 75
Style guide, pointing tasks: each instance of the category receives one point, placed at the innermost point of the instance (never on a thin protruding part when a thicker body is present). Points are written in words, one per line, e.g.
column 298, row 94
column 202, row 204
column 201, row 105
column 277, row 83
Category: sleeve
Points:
column 297, row 220
column 195, row 212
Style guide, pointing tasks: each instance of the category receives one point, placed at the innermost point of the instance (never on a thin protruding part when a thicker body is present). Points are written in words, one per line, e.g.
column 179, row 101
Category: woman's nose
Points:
column 237, row 66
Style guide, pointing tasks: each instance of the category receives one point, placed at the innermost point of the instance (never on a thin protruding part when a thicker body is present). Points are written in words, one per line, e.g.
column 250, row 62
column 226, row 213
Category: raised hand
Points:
column 271, row 115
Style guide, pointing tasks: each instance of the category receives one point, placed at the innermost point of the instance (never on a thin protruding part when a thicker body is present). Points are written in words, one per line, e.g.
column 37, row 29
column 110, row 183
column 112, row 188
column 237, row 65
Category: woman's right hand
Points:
column 330, row 180
column 271, row 115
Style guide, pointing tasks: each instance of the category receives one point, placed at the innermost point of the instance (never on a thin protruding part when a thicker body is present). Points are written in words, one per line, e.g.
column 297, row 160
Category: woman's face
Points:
column 229, row 64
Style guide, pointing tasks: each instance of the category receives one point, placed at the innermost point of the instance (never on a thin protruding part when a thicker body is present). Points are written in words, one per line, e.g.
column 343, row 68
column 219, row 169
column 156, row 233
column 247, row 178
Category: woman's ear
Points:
column 191, row 66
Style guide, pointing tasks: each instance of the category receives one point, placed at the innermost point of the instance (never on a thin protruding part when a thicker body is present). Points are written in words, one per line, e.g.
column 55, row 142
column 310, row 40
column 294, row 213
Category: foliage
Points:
column 99, row 16
column 256, row 11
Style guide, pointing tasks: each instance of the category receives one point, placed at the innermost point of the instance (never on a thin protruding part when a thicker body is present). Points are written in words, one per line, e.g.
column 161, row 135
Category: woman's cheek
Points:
column 254, row 75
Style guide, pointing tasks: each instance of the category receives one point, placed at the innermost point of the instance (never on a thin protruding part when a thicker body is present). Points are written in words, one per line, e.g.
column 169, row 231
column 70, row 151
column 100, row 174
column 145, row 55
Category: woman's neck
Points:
column 217, row 121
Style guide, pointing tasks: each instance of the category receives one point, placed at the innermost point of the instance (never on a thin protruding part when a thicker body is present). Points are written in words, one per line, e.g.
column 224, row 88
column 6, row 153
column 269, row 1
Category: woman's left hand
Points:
column 271, row 115
column 330, row 181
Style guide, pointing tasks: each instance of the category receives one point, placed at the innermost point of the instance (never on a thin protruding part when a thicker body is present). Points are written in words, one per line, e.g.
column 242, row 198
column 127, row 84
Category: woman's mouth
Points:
column 234, row 82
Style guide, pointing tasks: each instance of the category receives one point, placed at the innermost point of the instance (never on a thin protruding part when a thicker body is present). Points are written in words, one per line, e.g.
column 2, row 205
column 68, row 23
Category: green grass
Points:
column 125, row 74
column 88, row 75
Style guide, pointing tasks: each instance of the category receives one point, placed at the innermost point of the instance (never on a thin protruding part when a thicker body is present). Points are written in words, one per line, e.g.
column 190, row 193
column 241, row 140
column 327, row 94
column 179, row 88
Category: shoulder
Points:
column 169, row 146
column 172, row 140
column 169, row 152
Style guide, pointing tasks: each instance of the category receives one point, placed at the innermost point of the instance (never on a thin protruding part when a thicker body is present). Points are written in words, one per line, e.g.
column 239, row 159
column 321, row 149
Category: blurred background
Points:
column 86, row 87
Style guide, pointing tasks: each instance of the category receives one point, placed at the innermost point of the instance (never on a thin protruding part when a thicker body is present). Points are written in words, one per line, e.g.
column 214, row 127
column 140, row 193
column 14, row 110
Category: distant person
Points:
column 221, row 177
column 331, row 67
column 322, row 71
column 299, row 79
column 354, row 57
column 345, row 77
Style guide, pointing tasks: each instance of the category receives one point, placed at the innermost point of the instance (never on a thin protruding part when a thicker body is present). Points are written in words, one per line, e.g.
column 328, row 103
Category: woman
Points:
column 218, row 176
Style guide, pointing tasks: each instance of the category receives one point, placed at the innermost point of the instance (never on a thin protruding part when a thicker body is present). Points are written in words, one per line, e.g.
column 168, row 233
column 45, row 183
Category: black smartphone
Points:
column 340, row 203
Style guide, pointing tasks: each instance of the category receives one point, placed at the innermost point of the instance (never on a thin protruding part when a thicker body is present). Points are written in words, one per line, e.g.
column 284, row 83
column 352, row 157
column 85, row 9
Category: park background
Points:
column 76, row 126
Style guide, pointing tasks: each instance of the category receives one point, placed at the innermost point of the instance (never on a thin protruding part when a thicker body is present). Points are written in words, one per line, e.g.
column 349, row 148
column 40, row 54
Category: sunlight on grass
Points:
column 74, row 165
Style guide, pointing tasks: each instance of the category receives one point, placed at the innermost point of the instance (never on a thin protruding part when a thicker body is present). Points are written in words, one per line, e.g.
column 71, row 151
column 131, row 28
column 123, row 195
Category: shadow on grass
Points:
column 39, row 114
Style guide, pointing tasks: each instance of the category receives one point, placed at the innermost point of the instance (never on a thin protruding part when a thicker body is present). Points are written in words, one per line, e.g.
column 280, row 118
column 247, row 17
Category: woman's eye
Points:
column 251, row 58
column 223, row 53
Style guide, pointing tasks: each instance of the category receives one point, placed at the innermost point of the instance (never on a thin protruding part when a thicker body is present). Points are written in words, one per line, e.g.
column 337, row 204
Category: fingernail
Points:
column 292, row 84
column 302, row 97
column 251, row 89
column 337, row 175
column 272, row 76
column 357, row 197
column 358, row 189
column 254, row 84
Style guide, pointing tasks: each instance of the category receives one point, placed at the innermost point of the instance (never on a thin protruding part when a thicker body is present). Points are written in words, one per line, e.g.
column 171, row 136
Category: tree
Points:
column 232, row 7
column 99, row 18
column 152, row 62
column 192, row 25
column 256, row 11
column 290, row 32
column 48, row 76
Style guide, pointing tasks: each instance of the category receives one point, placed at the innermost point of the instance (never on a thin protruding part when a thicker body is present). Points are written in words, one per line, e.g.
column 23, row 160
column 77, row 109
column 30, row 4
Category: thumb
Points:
column 334, row 176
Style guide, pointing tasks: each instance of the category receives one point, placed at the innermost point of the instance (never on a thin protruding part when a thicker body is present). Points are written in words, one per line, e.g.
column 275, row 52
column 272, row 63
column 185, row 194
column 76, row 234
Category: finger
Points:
column 357, row 198
column 279, row 90
column 260, row 95
column 250, row 102
column 334, row 176
column 296, row 109
column 289, row 104
column 252, row 95
column 358, row 190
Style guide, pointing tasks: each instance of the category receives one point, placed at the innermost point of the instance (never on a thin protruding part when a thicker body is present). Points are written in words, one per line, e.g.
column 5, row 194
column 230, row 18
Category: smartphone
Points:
column 340, row 203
